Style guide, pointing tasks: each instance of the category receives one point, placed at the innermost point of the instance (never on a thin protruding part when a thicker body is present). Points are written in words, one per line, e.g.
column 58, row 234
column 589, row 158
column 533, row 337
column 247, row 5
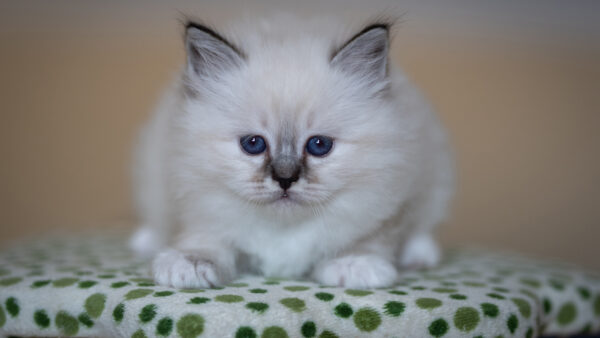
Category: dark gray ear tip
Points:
column 376, row 26
column 192, row 27
column 195, row 30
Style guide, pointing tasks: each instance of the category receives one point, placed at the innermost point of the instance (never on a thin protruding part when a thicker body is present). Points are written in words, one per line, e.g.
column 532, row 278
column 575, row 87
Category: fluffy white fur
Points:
column 210, row 211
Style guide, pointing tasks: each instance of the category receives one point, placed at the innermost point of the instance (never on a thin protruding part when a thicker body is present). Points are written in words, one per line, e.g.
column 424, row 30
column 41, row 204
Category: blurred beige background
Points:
column 516, row 82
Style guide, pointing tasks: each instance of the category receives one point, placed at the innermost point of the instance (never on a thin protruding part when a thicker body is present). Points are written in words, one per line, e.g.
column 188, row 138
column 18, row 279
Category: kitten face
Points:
column 291, row 126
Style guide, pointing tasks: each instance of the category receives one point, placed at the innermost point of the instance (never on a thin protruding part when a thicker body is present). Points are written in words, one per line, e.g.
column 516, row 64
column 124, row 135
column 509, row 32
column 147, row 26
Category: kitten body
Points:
column 211, row 211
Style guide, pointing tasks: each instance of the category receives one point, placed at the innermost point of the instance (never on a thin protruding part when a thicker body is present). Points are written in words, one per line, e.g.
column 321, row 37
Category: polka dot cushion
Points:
column 91, row 286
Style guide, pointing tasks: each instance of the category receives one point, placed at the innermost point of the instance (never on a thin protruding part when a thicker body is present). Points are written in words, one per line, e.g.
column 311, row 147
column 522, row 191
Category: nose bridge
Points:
column 285, row 162
column 285, row 166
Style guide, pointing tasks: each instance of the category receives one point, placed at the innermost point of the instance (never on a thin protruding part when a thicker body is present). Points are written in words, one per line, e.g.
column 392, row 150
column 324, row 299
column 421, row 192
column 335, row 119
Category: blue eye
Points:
column 319, row 145
column 253, row 144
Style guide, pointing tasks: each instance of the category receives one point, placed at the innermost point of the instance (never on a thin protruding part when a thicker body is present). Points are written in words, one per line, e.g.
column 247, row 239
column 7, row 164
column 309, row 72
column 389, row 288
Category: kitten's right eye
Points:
column 253, row 144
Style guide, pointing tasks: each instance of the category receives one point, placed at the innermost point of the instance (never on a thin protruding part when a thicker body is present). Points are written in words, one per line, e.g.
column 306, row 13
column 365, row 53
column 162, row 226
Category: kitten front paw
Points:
column 361, row 272
column 420, row 252
column 186, row 270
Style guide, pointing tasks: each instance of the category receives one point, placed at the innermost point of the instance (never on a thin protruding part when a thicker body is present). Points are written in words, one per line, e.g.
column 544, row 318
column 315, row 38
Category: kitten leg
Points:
column 146, row 241
column 193, row 268
column 420, row 251
column 361, row 271
column 149, row 187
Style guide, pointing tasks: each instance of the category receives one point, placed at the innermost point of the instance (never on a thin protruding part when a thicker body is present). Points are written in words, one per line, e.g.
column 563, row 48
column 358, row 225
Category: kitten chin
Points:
column 290, row 149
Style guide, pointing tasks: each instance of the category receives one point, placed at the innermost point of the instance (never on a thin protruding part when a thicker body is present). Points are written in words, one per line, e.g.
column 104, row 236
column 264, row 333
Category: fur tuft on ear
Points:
column 365, row 54
column 208, row 53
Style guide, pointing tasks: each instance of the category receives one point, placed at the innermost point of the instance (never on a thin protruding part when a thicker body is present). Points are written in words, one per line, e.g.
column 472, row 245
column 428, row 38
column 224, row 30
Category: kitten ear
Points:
column 365, row 54
column 208, row 53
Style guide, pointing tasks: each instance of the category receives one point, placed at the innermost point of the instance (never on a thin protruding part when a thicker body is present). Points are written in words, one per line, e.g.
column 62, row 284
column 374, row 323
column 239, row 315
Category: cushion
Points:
column 90, row 285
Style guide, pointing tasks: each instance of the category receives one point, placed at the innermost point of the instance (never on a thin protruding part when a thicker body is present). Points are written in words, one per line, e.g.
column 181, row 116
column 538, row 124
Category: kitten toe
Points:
column 420, row 252
column 181, row 270
column 361, row 272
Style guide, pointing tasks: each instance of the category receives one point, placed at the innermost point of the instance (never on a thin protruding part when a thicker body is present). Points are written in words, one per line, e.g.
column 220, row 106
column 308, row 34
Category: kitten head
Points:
column 292, row 124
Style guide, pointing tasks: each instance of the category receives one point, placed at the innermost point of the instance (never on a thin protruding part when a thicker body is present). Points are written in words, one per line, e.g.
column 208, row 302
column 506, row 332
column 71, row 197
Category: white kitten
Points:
column 290, row 150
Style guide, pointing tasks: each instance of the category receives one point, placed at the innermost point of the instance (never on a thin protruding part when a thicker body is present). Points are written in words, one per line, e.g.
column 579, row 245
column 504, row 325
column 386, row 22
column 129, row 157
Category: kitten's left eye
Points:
column 319, row 145
column 253, row 144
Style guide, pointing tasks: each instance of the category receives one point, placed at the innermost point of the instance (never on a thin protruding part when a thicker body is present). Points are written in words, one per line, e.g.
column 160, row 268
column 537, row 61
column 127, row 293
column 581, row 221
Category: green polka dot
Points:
column 584, row 292
column 566, row 314
column 438, row 327
column 141, row 280
column 106, row 276
column 245, row 332
column 66, row 324
column 258, row 290
column 394, row 309
column 190, row 326
column 294, row 304
column 529, row 294
column 444, row 290
column 308, row 329
column 587, row 329
column 458, row 296
column 41, row 319
column 495, row 296
column 296, row 288
column 191, row 290
column 118, row 312
column 556, row 284
column 4, row 272
column 523, row 305
column 343, row 310
column 358, row 293
column 163, row 293
column 2, row 317
column 10, row 281
column 398, row 292
column 199, row 300
column 229, row 298
column 147, row 313
column 324, row 296
column 164, row 326
column 490, row 310
column 271, row 282
column 597, row 306
column 64, row 282
column 367, row 319
column 475, row 284
column 531, row 282
column 529, row 333
column 86, row 284
column 499, row 289
column 466, row 319
column 547, row 304
column 117, row 285
column 274, row 332
column 12, row 306
column 237, row 285
column 137, row 293
column 428, row 303
column 40, row 283
column 94, row 304
column 328, row 334
column 85, row 319
column 257, row 307
column 139, row 334
column 512, row 323
column 418, row 288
